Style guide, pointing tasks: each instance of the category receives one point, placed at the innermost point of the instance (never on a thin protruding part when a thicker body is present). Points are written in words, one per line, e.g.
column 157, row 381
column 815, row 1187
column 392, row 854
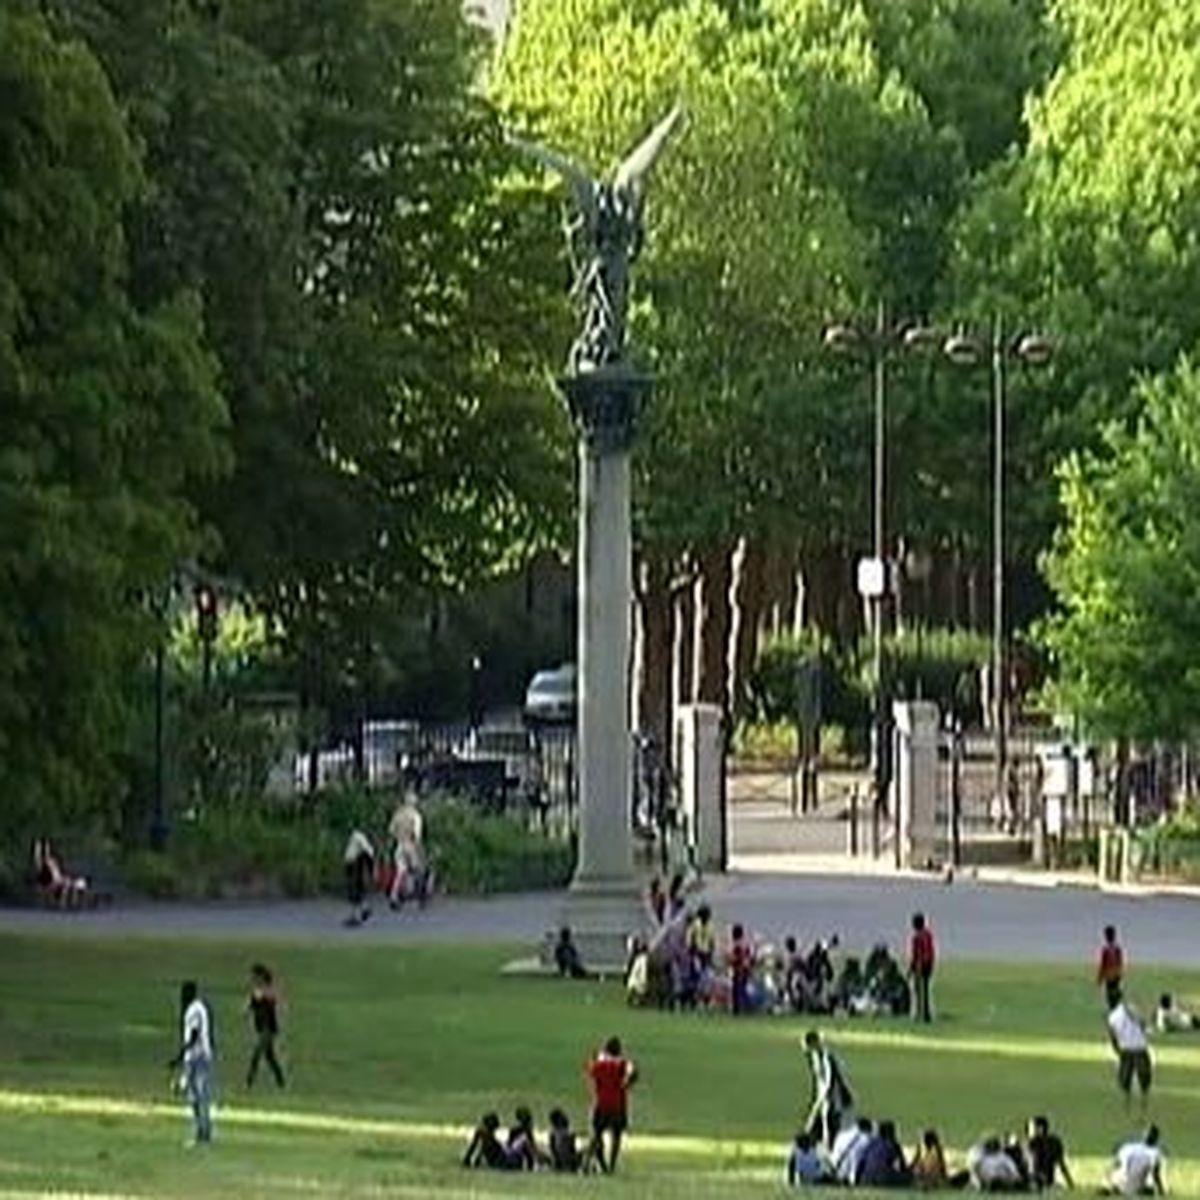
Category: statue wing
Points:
column 632, row 172
column 577, row 178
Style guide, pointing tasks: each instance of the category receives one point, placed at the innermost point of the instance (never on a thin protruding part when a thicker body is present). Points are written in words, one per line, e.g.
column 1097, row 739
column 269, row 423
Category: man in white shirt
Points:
column 991, row 1169
column 196, row 1056
column 407, row 830
column 1128, row 1037
column 1138, row 1168
column 848, row 1149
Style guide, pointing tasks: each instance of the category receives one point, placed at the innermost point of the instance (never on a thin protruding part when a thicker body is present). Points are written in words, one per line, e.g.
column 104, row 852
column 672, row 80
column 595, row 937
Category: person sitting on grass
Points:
column 484, row 1149
column 850, row 986
column 882, row 1164
column 847, row 1150
column 1047, row 1156
column 1170, row 1018
column 805, row 1164
column 566, row 956
column 637, row 973
column 522, row 1149
column 991, row 1169
column 564, row 1151
column 818, row 974
column 929, row 1163
column 1138, row 1169
column 1015, row 1151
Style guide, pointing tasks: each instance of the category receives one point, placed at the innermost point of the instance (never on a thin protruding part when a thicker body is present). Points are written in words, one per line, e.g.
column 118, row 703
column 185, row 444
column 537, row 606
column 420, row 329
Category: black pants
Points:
column 264, row 1048
column 921, row 982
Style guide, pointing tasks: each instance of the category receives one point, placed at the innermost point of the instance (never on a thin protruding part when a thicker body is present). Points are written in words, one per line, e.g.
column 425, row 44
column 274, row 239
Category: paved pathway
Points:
column 973, row 919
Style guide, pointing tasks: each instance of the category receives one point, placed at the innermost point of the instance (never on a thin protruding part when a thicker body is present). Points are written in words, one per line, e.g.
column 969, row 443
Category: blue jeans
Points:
column 198, row 1089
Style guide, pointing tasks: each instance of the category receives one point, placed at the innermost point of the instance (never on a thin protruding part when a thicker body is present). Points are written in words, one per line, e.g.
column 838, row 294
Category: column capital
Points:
column 605, row 405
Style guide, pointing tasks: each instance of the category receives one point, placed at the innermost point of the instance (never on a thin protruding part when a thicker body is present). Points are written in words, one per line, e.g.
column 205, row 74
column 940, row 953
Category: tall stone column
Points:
column 603, row 906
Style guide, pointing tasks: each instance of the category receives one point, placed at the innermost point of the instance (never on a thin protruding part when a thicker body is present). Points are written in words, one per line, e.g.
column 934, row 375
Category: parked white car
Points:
column 551, row 695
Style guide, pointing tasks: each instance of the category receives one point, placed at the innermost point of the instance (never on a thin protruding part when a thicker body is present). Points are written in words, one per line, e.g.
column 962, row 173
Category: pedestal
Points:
column 916, row 781
column 603, row 906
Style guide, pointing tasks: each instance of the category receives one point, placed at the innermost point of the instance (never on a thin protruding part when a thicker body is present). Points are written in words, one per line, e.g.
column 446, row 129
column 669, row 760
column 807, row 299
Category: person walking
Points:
column 1128, row 1037
column 263, row 1007
column 922, row 957
column 196, row 1057
column 832, row 1100
column 359, row 861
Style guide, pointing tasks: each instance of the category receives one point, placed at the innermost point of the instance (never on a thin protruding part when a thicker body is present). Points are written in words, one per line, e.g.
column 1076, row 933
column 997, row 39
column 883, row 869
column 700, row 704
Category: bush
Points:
column 476, row 853
column 773, row 694
column 935, row 664
column 294, row 848
column 1171, row 846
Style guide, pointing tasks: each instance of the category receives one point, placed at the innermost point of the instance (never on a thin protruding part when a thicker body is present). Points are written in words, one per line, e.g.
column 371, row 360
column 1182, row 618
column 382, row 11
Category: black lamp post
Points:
column 878, row 343
column 1033, row 350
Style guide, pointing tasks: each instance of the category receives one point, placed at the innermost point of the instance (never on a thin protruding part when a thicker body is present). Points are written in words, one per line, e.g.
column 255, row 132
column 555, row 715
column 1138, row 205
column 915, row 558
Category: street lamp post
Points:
column 1036, row 351
column 878, row 343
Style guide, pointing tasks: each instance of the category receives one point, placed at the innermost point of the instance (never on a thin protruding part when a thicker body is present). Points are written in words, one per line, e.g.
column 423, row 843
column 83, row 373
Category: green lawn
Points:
column 394, row 1051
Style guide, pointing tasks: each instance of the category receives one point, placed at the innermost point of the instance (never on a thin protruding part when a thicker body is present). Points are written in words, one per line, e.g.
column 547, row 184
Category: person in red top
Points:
column 1111, row 968
column 922, row 956
column 612, row 1075
column 741, row 964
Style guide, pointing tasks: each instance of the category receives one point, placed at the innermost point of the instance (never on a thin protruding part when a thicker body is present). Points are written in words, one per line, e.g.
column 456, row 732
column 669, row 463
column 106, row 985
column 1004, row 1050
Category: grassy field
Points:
column 393, row 1052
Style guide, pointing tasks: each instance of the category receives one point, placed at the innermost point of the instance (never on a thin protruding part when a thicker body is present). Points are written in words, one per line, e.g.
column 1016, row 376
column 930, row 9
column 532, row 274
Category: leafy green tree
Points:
column 1125, row 568
column 109, row 414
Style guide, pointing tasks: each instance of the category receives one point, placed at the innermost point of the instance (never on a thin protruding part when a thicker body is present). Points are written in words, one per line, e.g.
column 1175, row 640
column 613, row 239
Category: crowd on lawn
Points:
column 684, row 964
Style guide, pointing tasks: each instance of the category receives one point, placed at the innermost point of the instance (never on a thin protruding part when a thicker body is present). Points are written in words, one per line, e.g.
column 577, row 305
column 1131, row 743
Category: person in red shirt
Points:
column 1111, row 968
column 741, row 964
column 922, row 956
column 612, row 1075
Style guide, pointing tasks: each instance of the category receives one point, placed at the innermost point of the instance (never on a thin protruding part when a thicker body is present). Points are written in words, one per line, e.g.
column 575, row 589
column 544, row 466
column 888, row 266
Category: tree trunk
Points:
column 681, row 647
column 716, row 576
column 654, row 680
column 749, row 594
column 779, row 587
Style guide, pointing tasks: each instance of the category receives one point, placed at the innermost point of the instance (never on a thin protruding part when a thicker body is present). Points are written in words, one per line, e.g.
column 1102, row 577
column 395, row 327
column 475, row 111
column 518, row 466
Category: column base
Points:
column 602, row 916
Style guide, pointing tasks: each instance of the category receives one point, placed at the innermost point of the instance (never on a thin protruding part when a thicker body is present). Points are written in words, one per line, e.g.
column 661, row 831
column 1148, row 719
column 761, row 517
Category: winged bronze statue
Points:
column 605, row 236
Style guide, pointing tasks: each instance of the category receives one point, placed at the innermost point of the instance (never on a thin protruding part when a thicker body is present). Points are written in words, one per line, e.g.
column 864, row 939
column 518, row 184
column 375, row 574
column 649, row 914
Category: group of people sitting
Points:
column 866, row 1155
column 680, row 965
column 520, row 1149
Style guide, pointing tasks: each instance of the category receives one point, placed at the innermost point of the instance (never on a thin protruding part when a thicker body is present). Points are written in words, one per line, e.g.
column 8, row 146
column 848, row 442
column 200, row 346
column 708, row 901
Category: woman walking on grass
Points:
column 263, row 1007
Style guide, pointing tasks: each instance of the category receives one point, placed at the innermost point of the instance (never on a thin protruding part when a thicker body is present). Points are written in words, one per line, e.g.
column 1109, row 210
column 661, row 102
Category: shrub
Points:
column 294, row 848
column 935, row 664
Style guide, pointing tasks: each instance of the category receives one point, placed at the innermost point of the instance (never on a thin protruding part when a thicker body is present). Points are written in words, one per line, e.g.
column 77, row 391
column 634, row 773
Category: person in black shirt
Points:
column 566, row 956
column 485, row 1149
column 564, row 1151
column 263, row 1007
column 1047, row 1156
